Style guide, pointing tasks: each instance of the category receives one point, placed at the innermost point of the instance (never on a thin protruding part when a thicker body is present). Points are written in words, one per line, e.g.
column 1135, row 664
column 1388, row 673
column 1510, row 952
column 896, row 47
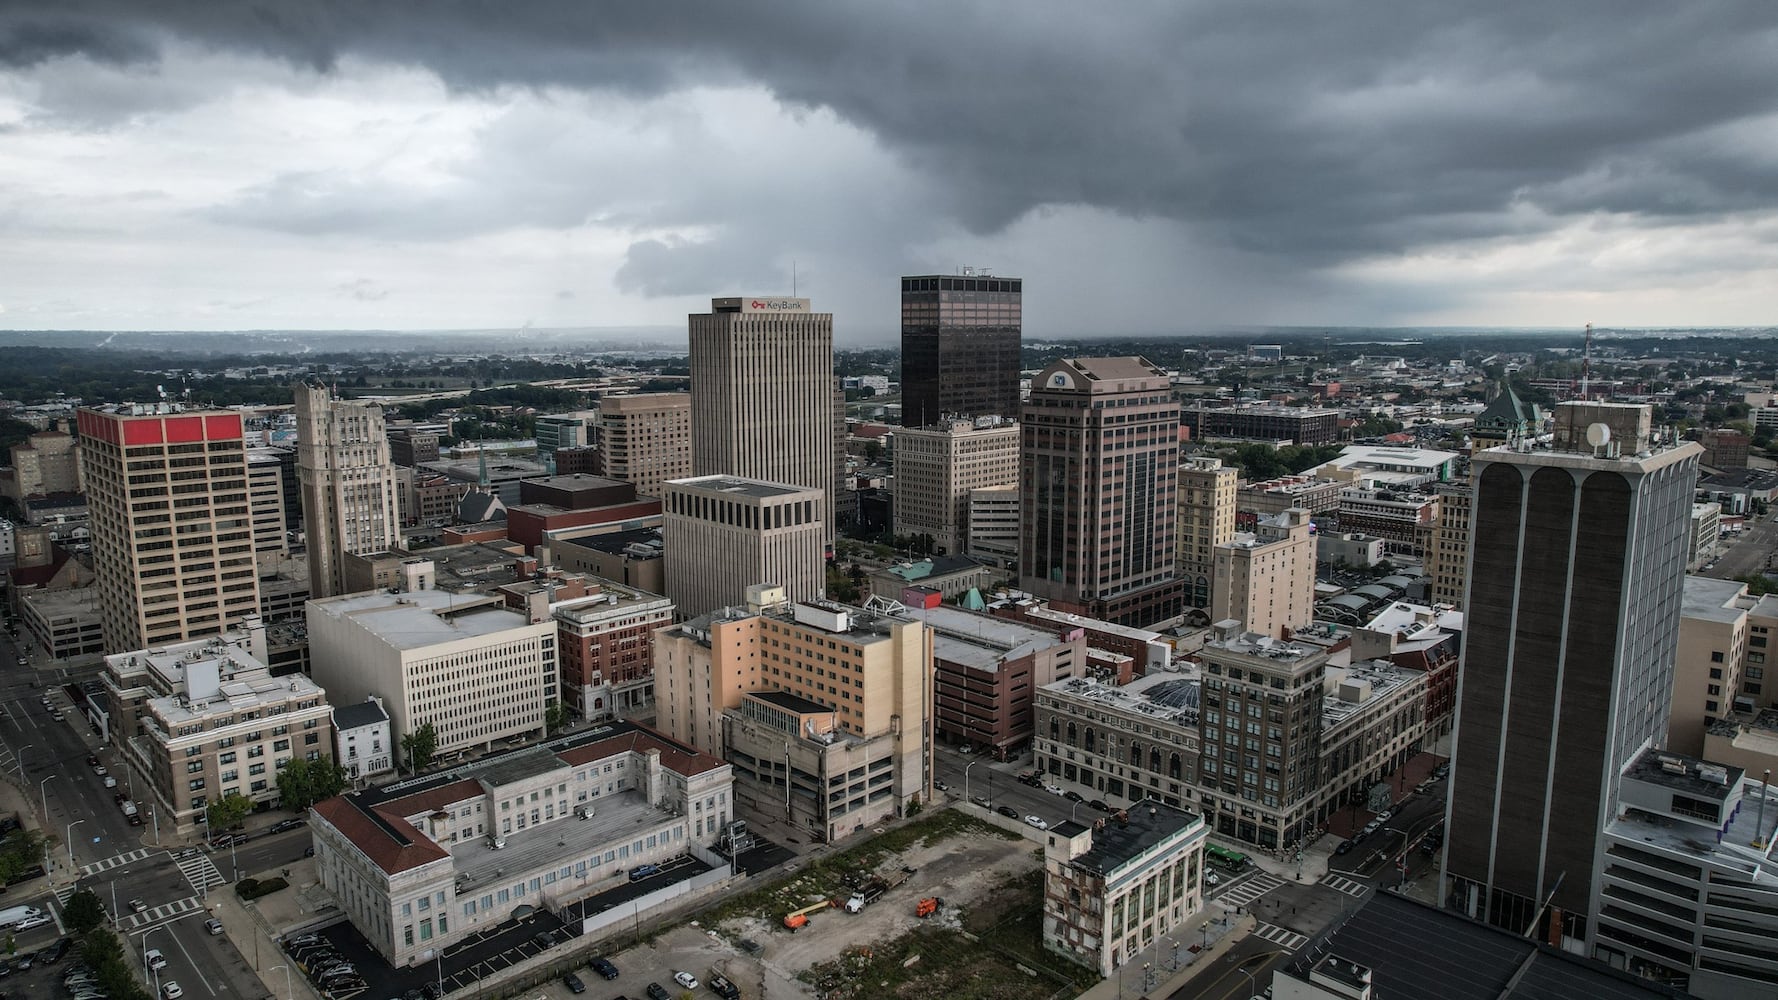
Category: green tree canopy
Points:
column 83, row 912
column 303, row 783
column 554, row 717
column 419, row 746
column 228, row 811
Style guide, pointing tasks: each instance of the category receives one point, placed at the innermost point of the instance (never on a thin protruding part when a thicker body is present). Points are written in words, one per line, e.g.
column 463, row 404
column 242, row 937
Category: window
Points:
column 227, row 758
column 195, row 784
column 1716, row 656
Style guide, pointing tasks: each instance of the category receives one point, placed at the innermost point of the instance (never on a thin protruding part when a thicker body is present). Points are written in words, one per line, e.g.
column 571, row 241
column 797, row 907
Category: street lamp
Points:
column 69, row 837
column 21, row 760
column 1252, row 984
column 966, row 769
column 287, row 993
column 43, row 793
column 146, row 969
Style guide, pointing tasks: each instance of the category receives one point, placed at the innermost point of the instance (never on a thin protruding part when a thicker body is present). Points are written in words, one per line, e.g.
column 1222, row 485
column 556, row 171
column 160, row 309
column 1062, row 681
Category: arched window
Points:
column 1073, row 734
column 1135, row 754
column 1173, row 767
column 1055, row 728
column 1089, row 743
column 1154, row 760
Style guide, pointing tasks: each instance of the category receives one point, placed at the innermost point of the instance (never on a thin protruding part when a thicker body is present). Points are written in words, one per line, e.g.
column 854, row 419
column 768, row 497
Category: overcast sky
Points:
column 1146, row 167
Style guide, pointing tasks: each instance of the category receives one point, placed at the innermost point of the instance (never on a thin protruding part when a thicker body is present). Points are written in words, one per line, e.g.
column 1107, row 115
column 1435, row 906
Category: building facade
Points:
column 1296, row 424
column 959, row 347
column 1098, row 486
column 987, row 671
column 1266, row 579
column 1447, row 559
column 46, row 462
column 1112, row 889
column 1206, row 520
column 645, row 438
column 423, row 864
column 265, row 497
column 994, row 523
column 171, row 524
column 365, row 743
column 1711, row 654
column 555, row 431
column 936, row 467
column 607, row 649
column 1572, row 625
column 762, row 394
column 477, row 671
column 823, row 709
column 722, row 534
column 348, row 484
column 203, row 719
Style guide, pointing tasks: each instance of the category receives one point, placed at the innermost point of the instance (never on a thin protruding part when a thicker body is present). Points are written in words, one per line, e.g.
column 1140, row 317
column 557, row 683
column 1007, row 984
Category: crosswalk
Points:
column 1351, row 887
column 115, row 861
column 1251, row 888
column 1283, row 937
column 200, row 871
column 161, row 914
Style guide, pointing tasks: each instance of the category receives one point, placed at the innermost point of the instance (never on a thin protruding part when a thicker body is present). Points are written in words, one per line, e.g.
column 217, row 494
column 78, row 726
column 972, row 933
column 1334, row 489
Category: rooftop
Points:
column 793, row 703
column 421, row 618
column 1120, row 842
column 1383, row 677
column 1387, row 456
column 1163, row 695
column 617, row 542
column 365, row 713
column 979, row 641
column 1416, row 950
column 1695, row 777
column 1712, row 600
column 1094, row 624
column 1759, row 479
column 736, row 486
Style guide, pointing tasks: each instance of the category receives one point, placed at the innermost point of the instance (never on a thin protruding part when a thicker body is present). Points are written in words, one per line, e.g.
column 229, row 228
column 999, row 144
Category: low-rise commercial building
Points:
column 825, row 710
column 1112, row 889
column 1296, row 424
column 365, row 745
column 422, row 864
column 607, row 648
column 987, row 669
column 1688, row 891
column 1349, row 548
column 477, row 671
column 202, row 719
column 1404, row 520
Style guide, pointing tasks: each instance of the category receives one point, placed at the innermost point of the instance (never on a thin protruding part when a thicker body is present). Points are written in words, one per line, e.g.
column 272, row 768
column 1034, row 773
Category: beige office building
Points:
column 348, row 484
column 722, row 534
column 265, row 497
column 824, row 710
column 1206, row 520
column 645, row 438
column 1713, row 644
column 1266, row 580
column 171, row 526
column 994, row 523
column 46, row 462
column 936, row 467
column 762, row 394
column 1447, row 557
column 478, row 671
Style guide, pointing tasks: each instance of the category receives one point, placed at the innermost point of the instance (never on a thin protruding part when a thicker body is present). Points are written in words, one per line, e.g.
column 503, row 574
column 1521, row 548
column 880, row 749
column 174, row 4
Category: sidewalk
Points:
column 254, row 927
column 1175, row 958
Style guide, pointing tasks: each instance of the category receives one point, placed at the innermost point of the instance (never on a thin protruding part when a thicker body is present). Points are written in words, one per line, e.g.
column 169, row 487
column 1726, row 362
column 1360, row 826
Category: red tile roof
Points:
column 391, row 844
column 675, row 758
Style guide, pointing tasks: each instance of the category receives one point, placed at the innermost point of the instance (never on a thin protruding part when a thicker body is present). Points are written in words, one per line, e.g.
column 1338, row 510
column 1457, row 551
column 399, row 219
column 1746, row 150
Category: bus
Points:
column 1226, row 859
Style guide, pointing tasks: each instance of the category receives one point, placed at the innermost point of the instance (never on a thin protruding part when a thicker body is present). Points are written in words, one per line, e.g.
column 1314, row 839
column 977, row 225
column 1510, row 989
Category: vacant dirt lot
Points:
column 958, row 870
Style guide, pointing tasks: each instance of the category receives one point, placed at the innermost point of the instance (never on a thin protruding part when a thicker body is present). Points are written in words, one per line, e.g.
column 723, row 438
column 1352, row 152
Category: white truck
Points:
column 128, row 807
column 12, row 916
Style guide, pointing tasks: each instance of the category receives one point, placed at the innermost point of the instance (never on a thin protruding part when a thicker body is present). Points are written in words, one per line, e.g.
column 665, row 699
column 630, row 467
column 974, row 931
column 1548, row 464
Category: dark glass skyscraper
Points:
column 959, row 347
column 1576, row 575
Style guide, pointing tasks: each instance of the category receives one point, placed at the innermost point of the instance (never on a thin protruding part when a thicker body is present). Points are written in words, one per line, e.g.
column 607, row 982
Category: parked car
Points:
column 1211, row 878
column 1073, row 796
column 980, row 800
column 171, row 991
column 99, row 769
column 287, row 824
column 154, row 959
column 54, row 952
column 573, row 983
column 137, row 905
column 1100, row 805
column 1053, row 789
column 1345, row 845
column 30, row 922
column 1008, row 811
column 214, row 926
column 92, row 759
column 641, row 872
column 941, row 786
column 657, row 992
column 604, row 967
column 686, row 980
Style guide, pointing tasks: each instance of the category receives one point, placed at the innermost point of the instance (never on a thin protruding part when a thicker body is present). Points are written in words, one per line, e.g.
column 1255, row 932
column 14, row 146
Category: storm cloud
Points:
column 1301, row 154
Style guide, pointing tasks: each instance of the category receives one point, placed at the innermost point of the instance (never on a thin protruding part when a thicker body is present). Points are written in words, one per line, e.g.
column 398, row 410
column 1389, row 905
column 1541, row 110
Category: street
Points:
column 47, row 760
column 1749, row 552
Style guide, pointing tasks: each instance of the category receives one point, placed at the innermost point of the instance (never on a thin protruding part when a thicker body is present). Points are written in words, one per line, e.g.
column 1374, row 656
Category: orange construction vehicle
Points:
column 798, row 919
column 928, row 906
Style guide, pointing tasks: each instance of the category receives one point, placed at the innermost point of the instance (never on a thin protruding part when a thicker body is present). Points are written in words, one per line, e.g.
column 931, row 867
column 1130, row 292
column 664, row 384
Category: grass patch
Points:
column 1006, row 961
column 825, row 876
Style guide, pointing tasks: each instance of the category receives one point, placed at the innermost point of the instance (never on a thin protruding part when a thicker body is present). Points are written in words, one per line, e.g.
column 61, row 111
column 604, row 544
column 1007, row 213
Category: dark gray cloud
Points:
column 1304, row 129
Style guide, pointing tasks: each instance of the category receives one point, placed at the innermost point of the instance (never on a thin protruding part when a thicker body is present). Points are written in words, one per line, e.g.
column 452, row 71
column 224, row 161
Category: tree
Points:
column 554, row 717
column 228, row 811
column 419, row 746
column 21, row 850
column 83, row 912
column 303, row 783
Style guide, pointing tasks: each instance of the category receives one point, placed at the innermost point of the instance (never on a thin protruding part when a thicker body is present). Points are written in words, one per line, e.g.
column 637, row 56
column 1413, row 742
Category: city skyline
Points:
column 549, row 167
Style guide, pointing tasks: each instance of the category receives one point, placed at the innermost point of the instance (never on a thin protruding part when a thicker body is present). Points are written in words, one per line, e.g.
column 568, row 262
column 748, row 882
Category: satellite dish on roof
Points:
column 1598, row 435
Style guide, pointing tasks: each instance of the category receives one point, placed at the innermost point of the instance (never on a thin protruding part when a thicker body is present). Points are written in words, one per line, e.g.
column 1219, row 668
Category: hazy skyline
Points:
column 311, row 165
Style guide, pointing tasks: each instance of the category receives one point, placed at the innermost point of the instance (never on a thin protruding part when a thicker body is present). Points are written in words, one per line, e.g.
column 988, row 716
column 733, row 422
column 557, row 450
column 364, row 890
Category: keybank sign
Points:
column 777, row 305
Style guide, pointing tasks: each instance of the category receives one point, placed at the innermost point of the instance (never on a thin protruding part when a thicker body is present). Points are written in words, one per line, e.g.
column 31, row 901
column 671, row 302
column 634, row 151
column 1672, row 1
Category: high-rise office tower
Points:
column 1576, row 578
column 265, row 495
column 936, row 467
column 762, row 396
column 1098, row 480
column 722, row 534
column 646, row 438
column 348, row 484
column 171, row 524
column 1206, row 520
column 959, row 347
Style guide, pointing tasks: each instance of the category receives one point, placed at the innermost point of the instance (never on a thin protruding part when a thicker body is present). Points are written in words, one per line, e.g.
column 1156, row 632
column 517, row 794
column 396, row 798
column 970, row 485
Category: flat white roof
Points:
column 421, row 618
